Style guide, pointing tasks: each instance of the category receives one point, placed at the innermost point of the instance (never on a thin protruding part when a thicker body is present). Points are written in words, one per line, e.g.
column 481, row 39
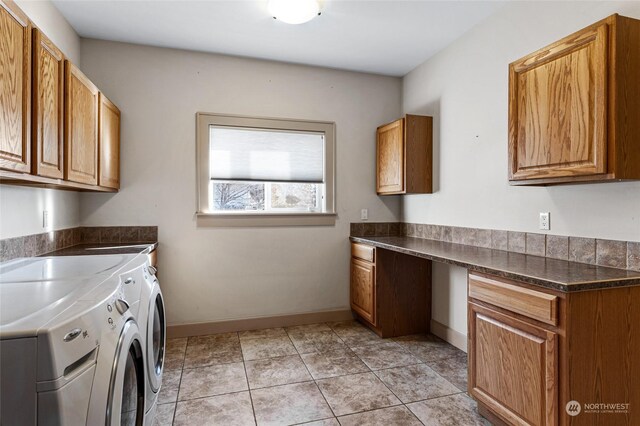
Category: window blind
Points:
column 265, row 155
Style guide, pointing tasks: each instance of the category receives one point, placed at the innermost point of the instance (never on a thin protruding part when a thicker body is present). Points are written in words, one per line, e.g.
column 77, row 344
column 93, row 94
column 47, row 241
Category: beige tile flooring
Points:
column 319, row 374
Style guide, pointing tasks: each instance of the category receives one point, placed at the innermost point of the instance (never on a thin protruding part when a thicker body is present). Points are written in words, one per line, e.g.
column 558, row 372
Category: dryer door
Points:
column 156, row 336
column 125, row 405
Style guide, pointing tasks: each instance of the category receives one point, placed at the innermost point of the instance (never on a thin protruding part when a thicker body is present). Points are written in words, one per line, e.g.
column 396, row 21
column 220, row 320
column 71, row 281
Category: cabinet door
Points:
column 390, row 158
column 513, row 367
column 363, row 289
column 81, row 132
column 48, row 107
column 109, row 144
column 15, row 89
column 558, row 108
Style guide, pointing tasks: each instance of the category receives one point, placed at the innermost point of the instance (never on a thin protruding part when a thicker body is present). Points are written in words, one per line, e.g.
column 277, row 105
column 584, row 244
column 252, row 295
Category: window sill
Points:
column 224, row 220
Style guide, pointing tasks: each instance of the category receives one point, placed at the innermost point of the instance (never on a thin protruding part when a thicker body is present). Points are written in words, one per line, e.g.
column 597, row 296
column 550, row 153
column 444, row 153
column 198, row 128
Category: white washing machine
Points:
column 65, row 324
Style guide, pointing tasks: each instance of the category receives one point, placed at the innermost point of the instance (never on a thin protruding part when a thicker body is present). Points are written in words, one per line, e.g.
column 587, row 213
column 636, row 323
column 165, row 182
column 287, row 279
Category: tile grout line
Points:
column 312, row 378
column 311, row 375
column 175, row 407
column 246, row 378
column 253, row 409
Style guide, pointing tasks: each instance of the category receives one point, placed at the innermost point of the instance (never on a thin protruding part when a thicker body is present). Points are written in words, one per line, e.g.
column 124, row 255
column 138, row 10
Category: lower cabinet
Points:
column 544, row 357
column 363, row 289
column 512, row 367
column 390, row 291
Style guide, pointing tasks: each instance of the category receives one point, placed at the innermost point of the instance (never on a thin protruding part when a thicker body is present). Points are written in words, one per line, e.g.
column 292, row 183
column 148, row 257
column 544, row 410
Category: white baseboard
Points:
column 204, row 328
column 456, row 338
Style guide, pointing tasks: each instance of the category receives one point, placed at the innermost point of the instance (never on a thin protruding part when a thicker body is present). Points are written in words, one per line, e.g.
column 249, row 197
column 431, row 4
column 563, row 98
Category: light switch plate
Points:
column 545, row 225
column 364, row 214
column 45, row 219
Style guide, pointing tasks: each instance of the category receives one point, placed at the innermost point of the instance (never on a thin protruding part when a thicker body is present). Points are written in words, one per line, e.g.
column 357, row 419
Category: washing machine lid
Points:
column 33, row 291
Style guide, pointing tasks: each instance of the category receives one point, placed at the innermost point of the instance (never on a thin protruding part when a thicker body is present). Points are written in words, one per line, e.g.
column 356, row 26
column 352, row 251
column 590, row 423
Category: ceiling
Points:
column 382, row 37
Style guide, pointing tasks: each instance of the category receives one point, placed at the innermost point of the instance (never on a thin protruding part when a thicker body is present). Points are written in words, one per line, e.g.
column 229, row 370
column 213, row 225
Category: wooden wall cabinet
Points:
column 404, row 157
column 15, row 89
column 574, row 108
column 81, row 127
column 533, row 350
column 109, row 144
column 48, row 108
column 56, row 131
column 390, row 291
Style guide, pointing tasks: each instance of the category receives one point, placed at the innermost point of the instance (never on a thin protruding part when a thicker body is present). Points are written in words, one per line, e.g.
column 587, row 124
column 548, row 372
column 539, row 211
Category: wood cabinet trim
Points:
column 18, row 157
column 41, row 140
column 530, row 303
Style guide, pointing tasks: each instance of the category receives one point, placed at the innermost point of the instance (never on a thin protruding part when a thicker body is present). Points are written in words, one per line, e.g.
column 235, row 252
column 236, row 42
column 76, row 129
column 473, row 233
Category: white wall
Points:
column 465, row 88
column 21, row 207
column 213, row 274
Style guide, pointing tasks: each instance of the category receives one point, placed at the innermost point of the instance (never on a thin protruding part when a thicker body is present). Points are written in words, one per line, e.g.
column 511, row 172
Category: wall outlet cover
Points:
column 545, row 224
column 364, row 214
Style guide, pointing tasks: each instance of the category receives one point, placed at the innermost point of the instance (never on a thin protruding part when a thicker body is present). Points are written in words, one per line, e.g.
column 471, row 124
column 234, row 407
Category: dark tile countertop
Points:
column 555, row 274
column 103, row 248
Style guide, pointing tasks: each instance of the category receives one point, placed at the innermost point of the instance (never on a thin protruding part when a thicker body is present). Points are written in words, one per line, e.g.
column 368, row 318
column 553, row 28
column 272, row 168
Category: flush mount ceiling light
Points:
column 294, row 11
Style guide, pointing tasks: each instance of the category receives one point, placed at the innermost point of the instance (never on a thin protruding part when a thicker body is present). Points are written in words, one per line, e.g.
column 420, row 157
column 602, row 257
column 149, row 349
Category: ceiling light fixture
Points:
column 294, row 11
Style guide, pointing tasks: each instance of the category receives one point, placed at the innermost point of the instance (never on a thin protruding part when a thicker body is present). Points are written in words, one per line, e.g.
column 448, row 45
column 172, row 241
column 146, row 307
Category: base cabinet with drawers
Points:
column 534, row 353
column 390, row 292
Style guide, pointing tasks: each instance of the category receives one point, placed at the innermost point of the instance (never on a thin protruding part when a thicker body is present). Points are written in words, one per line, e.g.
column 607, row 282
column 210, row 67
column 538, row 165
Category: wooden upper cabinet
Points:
column 15, row 88
column 404, row 156
column 109, row 144
column 48, row 107
column 574, row 107
column 81, row 127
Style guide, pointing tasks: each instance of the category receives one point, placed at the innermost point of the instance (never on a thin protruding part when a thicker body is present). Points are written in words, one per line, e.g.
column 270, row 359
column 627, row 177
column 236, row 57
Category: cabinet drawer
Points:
column 362, row 251
column 530, row 303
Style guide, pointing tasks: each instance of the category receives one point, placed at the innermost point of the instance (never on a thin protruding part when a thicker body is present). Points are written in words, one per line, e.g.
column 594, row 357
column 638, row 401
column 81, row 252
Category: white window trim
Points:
column 206, row 217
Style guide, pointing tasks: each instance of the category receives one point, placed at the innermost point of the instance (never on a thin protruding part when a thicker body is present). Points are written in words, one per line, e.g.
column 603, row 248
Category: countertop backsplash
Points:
column 39, row 244
column 594, row 251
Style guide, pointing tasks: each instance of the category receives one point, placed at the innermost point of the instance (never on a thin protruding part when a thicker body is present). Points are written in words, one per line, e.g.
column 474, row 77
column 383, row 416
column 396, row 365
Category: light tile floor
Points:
column 318, row 374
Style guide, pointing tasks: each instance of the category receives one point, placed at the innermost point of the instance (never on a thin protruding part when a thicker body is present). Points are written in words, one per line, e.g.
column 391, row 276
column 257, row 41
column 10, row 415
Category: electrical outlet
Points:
column 364, row 214
column 45, row 219
column 545, row 225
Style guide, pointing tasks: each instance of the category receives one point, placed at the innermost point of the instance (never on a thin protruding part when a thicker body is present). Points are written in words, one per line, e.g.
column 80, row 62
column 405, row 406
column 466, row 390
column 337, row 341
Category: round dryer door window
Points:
column 158, row 334
column 131, row 395
column 127, row 386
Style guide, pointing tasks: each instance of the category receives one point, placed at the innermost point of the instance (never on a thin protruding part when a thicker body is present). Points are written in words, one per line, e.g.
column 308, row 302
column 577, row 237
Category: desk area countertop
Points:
column 545, row 272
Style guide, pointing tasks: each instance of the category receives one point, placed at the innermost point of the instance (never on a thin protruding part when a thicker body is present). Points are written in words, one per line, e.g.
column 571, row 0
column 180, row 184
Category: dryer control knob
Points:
column 122, row 306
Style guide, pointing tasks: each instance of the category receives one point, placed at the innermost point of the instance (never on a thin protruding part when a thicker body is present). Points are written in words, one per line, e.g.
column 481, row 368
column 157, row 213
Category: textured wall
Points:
column 211, row 274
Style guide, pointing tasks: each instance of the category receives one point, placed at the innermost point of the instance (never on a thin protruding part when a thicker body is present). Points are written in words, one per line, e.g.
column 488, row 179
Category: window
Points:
column 265, row 171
